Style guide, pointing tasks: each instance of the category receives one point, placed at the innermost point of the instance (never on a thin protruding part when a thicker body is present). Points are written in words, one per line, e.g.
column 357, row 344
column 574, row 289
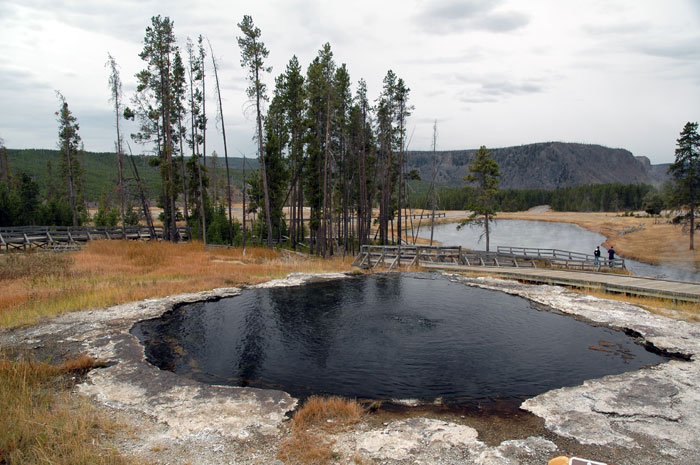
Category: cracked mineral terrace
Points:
column 648, row 416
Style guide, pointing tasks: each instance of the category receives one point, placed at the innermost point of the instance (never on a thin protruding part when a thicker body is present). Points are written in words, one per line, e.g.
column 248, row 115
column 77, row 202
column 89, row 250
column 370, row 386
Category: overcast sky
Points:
column 619, row 73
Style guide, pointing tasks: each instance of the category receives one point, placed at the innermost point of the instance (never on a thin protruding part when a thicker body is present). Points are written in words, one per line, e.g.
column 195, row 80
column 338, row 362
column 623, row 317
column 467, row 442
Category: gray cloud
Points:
column 680, row 50
column 447, row 17
column 502, row 22
column 480, row 89
column 616, row 29
column 20, row 80
column 500, row 88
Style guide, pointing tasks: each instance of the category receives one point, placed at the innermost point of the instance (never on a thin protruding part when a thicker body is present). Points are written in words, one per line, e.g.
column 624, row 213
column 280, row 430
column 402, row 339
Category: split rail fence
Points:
column 69, row 237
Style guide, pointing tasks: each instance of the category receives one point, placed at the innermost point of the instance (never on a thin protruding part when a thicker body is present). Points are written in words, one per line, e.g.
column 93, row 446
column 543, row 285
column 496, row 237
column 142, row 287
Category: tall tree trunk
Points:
column 204, row 113
column 692, row 225
column 486, row 228
column 293, row 205
column 433, row 199
column 326, row 157
column 245, row 214
column 120, row 169
column 120, row 184
column 144, row 199
column 71, row 185
column 195, row 155
column 184, row 184
column 223, row 131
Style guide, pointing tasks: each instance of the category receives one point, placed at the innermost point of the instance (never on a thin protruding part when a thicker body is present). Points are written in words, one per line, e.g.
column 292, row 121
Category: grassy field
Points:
column 40, row 285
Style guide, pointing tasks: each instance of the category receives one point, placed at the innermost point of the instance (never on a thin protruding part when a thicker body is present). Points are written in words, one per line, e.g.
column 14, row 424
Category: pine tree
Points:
column 197, row 126
column 276, row 138
column 318, row 90
column 156, row 107
column 686, row 171
column 342, row 103
column 253, row 54
column 363, row 147
column 484, row 173
column 179, row 112
column 386, row 141
column 223, row 132
column 115, row 86
column 403, row 111
column 70, row 166
column 4, row 163
column 294, row 103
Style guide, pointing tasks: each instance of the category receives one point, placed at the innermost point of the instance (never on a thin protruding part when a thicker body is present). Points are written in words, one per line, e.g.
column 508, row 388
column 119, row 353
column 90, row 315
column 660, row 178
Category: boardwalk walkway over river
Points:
column 545, row 266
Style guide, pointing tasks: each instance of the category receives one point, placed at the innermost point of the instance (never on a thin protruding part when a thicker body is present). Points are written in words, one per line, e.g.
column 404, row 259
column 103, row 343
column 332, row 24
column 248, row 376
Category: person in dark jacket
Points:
column 596, row 255
column 611, row 255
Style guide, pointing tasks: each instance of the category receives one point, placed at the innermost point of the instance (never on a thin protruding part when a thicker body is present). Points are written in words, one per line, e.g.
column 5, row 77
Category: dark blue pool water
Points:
column 395, row 336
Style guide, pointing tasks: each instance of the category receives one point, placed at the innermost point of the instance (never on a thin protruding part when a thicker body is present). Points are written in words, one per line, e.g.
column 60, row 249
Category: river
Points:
column 546, row 235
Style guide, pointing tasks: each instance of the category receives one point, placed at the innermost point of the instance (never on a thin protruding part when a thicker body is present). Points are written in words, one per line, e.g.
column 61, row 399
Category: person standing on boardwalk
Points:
column 596, row 255
column 611, row 255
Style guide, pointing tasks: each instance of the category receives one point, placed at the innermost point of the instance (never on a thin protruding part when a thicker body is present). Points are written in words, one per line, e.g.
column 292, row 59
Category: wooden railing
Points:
column 564, row 257
column 67, row 237
column 371, row 256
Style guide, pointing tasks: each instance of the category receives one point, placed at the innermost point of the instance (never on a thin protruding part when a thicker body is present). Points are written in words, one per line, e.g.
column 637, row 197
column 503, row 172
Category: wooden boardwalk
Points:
column 610, row 282
column 542, row 266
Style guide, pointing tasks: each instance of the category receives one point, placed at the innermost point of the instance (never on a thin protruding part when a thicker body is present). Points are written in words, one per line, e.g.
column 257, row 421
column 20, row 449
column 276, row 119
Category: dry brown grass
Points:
column 306, row 448
column 41, row 423
column 309, row 442
column 107, row 273
column 327, row 413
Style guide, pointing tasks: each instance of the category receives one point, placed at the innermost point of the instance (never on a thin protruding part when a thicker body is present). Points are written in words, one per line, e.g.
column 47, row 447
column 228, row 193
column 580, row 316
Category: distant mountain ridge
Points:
column 546, row 165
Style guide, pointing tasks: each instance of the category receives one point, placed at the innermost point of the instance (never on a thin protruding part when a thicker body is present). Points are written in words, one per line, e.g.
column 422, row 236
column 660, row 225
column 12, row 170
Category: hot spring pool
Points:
column 388, row 336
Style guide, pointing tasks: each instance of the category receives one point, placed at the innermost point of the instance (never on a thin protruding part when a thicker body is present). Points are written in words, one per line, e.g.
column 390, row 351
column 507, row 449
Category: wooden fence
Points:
column 68, row 237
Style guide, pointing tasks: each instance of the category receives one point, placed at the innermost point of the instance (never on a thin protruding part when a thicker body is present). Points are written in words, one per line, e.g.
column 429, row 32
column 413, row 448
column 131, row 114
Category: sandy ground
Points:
column 644, row 417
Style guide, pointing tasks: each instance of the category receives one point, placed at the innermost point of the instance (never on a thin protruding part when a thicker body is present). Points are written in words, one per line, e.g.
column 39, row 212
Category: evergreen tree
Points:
column 4, row 163
column 686, row 171
column 342, row 103
column 386, row 141
column 363, row 148
column 70, row 166
column 106, row 215
column 403, row 111
column 223, row 132
column 484, row 173
column 197, row 128
column 294, row 103
column 115, row 86
column 156, row 104
column 320, row 107
column 253, row 54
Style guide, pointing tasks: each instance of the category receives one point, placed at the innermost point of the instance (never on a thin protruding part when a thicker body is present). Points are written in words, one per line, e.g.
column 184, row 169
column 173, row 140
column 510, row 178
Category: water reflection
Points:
column 545, row 235
column 387, row 336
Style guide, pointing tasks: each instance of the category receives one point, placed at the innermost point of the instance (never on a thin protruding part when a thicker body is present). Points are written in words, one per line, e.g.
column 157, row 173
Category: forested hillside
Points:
column 101, row 170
